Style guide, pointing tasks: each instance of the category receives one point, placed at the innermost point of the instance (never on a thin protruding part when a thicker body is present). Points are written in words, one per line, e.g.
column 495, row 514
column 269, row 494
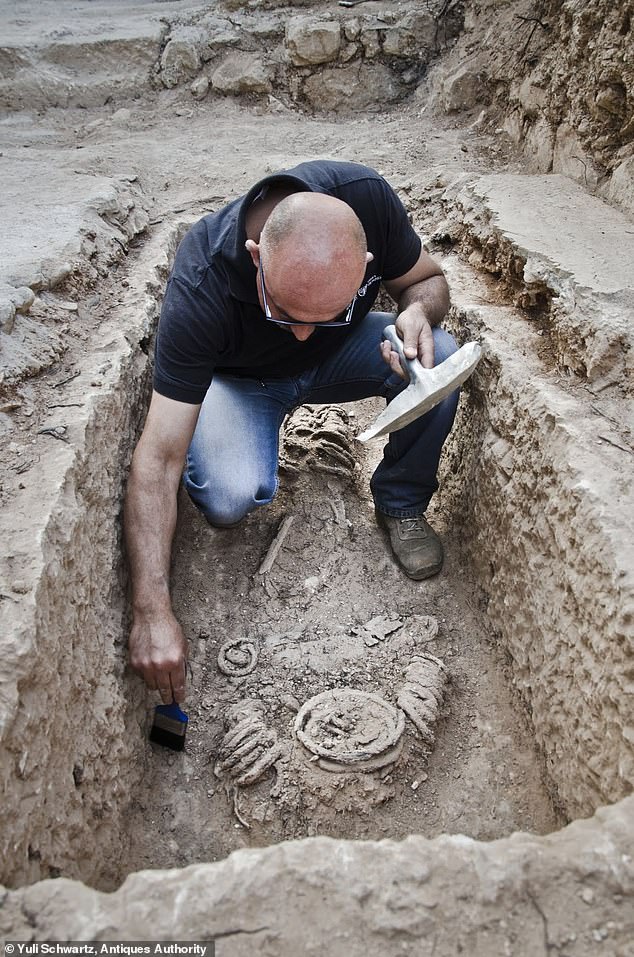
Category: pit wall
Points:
column 545, row 520
column 72, row 720
column 568, row 893
column 557, row 77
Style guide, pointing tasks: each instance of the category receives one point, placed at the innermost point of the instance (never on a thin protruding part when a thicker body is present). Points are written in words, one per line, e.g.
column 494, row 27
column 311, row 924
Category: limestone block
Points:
column 538, row 145
column 548, row 237
column 352, row 28
column 371, row 42
column 215, row 33
column 311, row 41
column 571, row 159
column 13, row 300
column 532, row 97
column 354, row 898
column 349, row 52
column 200, row 87
column 611, row 103
column 413, row 35
column 462, row 89
column 357, row 87
column 514, row 126
column 180, row 61
column 243, row 73
column 395, row 42
column 620, row 188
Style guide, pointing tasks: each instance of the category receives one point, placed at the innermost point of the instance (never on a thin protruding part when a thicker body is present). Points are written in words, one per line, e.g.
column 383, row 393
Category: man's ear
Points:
column 254, row 251
column 368, row 258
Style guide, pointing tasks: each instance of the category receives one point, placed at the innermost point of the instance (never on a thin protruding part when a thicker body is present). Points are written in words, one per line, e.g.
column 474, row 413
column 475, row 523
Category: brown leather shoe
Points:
column 415, row 545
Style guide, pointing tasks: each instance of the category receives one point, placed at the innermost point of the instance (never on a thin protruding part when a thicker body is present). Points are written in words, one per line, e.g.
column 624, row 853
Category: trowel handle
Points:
column 412, row 367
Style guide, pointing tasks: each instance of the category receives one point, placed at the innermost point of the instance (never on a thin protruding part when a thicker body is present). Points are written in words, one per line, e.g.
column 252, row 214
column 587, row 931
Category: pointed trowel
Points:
column 427, row 387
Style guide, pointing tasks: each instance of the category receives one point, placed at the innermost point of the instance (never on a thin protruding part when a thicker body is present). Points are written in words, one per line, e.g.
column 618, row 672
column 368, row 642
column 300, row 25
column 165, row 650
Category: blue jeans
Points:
column 232, row 462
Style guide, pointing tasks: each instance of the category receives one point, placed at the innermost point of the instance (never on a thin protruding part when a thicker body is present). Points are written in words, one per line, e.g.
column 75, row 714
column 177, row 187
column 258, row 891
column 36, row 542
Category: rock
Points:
column 200, row 87
column 371, row 43
column 462, row 90
column 412, row 891
column 570, row 158
column 611, row 103
column 414, row 35
column 620, row 188
column 352, row 28
column 532, row 97
column 121, row 117
column 309, row 41
column 349, row 52
column 539, row 143
column 242, row 73
column 359, row 87
column 180, row 61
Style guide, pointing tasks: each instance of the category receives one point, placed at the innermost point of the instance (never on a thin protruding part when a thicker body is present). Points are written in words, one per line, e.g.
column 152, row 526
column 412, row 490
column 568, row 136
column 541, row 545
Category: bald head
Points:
column 315, row 226
column 314, row 249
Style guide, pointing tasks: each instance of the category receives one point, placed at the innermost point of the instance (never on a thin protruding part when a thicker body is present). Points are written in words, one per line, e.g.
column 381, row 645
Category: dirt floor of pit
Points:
column 331, row 575
column 333, row 572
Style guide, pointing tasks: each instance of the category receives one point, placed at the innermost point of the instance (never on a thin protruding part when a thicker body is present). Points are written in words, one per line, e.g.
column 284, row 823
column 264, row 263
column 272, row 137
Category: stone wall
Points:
column 534, row 470
column 317, row 56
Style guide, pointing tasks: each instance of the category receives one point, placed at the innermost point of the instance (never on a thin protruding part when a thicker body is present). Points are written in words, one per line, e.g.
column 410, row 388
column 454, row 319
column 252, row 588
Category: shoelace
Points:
column 416, row 524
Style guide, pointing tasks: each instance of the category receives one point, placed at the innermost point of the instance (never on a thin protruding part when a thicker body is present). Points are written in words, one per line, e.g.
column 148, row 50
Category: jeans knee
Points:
column 226, row 506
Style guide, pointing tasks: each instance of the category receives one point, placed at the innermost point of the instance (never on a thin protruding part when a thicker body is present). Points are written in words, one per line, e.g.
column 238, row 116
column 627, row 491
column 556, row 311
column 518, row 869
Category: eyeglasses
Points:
column 330, row 324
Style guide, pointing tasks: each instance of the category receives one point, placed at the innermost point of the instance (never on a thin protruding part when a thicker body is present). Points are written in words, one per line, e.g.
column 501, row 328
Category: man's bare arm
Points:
column 158, row 649
column 422, row 295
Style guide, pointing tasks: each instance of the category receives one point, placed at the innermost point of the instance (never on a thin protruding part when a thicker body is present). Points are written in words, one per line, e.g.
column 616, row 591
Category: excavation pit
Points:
column 531, row 617
column 312, row 623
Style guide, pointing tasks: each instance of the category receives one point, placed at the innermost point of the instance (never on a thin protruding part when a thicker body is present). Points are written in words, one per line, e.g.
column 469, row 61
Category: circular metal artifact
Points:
column 347, row 728
column 237, row 657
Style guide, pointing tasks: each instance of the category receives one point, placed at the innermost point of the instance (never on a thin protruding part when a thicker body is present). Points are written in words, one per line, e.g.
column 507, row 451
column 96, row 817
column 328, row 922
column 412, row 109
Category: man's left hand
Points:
column 418, row 341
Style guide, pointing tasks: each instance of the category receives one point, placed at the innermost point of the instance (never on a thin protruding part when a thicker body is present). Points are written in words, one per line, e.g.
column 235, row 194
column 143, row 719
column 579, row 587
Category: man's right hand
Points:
column 158, row 652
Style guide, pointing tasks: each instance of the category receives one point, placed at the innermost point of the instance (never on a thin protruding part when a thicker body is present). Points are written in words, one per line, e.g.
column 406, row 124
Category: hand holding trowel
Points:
column 427, row 387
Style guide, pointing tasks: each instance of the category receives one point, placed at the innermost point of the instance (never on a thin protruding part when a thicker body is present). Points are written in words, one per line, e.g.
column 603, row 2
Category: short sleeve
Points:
column 188, row 342
column 403, row 245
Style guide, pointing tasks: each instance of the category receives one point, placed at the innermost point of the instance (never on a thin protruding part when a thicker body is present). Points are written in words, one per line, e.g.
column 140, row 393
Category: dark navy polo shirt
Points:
column 211, row 319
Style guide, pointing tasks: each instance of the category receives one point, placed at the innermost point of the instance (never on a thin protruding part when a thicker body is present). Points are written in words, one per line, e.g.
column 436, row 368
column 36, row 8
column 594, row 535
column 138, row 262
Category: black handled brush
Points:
column 169, row 726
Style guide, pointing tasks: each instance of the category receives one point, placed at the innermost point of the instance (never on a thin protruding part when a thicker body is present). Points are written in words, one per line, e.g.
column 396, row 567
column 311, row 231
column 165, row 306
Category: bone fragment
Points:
column 275, row 546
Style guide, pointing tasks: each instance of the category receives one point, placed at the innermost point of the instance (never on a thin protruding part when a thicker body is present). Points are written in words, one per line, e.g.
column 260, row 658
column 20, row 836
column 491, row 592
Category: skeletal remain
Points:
column 318, row 438
column 248, row 748
column 422, row 695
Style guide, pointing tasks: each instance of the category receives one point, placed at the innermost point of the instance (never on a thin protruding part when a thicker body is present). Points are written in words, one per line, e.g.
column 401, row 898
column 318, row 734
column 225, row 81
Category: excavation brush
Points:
column 427, row 387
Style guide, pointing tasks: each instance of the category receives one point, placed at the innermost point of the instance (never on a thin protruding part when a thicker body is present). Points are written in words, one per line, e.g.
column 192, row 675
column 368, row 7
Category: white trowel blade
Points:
column 426, row 389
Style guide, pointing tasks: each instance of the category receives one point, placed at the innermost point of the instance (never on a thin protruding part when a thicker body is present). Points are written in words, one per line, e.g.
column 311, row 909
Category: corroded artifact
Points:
column 249, row 748
column 349, row 729
column 237, row 657
column 423, row 692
